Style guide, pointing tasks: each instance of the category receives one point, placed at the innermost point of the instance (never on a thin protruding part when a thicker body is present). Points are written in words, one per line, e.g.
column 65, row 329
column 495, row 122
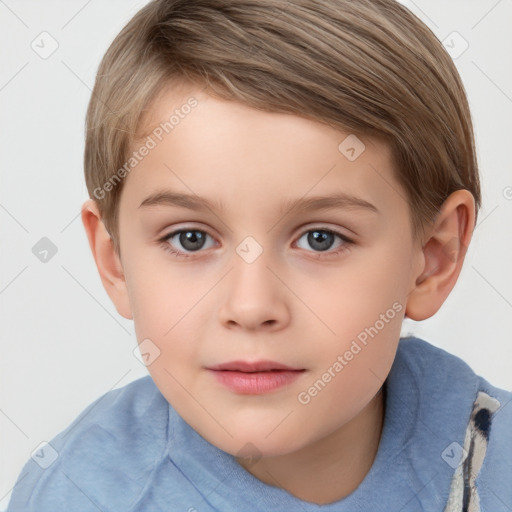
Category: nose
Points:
column 254, row 297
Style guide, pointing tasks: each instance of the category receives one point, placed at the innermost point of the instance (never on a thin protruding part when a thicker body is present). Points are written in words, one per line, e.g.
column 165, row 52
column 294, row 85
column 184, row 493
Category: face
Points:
column 271, row 315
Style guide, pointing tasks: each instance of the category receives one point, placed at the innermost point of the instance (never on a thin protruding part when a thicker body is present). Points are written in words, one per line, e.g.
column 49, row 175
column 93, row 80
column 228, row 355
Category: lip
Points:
column 255, row 378
column 255, row 366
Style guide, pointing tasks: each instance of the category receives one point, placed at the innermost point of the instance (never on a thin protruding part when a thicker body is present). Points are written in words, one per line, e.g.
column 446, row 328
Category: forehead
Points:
column 221, row 150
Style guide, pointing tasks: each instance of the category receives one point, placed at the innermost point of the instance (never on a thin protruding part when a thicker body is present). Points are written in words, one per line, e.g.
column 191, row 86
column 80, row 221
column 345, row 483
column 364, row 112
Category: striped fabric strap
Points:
column 463, row 491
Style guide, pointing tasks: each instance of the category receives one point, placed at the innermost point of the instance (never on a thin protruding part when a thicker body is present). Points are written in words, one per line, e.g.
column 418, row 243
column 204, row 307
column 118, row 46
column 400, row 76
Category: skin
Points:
column 295, row 304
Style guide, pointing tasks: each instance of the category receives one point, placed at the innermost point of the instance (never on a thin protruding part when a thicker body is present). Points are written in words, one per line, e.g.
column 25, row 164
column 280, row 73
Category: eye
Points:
column 183, row 243
column 321, row 240
column 191, row 240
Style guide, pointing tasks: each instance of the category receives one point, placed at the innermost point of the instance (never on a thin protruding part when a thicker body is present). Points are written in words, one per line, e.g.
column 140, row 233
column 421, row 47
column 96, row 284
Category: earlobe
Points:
column 443, row 255
column 107, row 260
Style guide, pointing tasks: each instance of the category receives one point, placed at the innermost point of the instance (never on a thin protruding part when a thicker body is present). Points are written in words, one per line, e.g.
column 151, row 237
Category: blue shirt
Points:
column 446, row 442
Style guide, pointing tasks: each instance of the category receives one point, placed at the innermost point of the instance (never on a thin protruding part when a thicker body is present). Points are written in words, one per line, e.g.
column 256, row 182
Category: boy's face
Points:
column 260, row 281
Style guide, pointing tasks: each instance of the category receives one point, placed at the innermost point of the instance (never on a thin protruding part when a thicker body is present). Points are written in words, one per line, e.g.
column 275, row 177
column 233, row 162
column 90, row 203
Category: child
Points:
column 274, row 186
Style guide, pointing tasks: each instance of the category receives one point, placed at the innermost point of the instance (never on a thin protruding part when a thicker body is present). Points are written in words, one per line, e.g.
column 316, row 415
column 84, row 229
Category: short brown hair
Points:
column 369, row 67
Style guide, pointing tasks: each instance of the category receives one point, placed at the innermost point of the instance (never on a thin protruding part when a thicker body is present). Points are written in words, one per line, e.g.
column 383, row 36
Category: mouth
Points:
column 251, row 367
column 254, row 378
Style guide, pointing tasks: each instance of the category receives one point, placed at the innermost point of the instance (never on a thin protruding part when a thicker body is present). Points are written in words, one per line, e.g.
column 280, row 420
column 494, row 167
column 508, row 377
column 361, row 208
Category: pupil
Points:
column 320, row 240
column 192, row 240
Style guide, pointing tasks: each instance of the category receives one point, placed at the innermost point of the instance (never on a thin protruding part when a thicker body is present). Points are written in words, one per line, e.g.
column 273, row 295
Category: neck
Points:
column 333, row 467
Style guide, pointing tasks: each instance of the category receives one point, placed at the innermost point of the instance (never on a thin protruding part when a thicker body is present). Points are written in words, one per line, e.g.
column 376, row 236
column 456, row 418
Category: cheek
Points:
column 159, row 294
column 362, row 303
column 168, row 309
column 348, row 298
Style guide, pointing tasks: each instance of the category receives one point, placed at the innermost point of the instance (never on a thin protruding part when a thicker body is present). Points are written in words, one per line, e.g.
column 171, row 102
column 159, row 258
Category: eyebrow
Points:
column 190, row 201
column 340, row 200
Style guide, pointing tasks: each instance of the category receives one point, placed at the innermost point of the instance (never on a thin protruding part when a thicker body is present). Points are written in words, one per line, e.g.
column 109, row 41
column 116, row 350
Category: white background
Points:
column 62, row 342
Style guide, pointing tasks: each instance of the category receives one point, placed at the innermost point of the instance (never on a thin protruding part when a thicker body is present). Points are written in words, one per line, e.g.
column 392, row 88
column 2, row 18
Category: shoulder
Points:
column 422, row 358
column 441, row 368
column 420, row 354
column 469, row 416
column 111, row 445
column 449, row 375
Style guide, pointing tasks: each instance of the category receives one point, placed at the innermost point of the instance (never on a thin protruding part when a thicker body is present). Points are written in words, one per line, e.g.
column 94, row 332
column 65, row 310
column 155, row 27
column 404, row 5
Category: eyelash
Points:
column 346, row 246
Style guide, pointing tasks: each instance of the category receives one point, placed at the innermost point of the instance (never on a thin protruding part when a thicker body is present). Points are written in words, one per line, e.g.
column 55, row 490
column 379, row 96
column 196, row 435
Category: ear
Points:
column 107, row 260
column 443, row 254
